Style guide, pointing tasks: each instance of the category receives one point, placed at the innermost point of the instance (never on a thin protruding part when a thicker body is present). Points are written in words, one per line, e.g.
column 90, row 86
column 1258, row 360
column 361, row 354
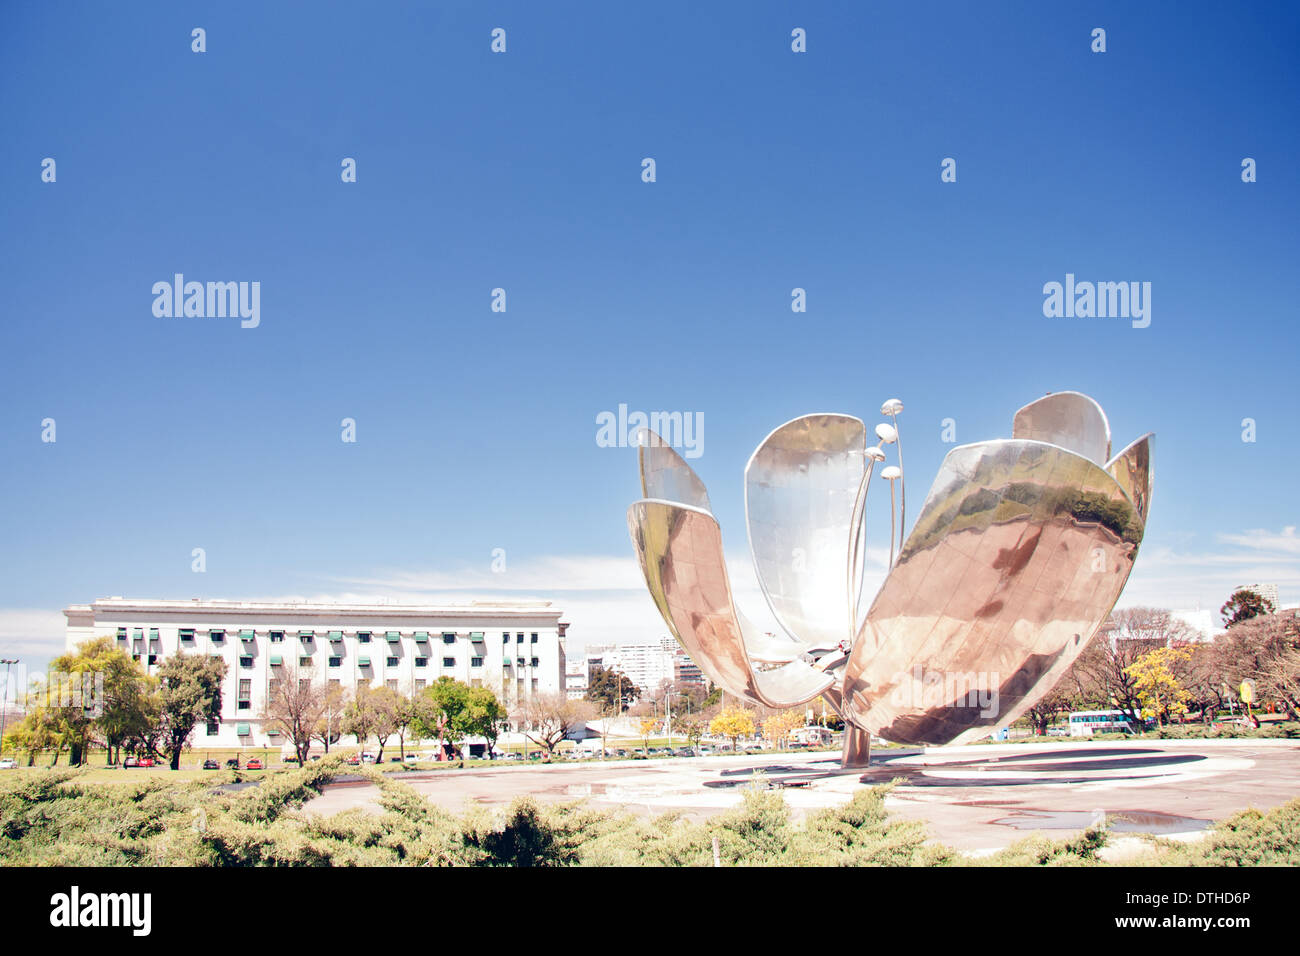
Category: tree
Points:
column 1266, row 648
column 483, row 716
column 548, row 718
column 733, row 722
column 693, row 726
column 647, row 726
column 1163, row 695
column 1050, row 706
column 612, row 689
column 124, row 697
column 1100, row 674
column 33, row 735
column 778, row 727
column 190, row 692
column 329, row 729
column 297, row 706
column 373, row 713
column 1243, row 605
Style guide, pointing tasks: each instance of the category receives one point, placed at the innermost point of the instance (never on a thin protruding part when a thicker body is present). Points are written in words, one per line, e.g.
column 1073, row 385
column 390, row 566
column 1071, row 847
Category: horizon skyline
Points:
column 498, row 289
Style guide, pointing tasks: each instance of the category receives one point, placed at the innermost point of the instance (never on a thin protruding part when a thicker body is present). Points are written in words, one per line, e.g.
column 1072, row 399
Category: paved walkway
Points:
column 976, row 798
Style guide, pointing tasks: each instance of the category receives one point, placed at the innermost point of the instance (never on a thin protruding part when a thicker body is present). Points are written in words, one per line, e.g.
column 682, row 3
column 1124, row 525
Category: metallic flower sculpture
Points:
column 1019, row 553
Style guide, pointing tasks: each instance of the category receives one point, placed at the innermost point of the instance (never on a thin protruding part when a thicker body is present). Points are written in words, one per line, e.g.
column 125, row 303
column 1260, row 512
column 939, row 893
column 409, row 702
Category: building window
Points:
column 449, row 662
column 363, row 637
column 449, row 638
column 277, row 637
column 273, row 688
column 476, row 662
column 121, row 634
column 519, row 638
column 476, row 683
column 153, row 633
column 303, row 684
column 534, row 683
column 505, row 638
column 520, row 662
column 217, row 637
column 245, row 662
column 392, row 684
column 421, row 661
column 214, row 728
column 536, row 661
column 187, row 634
column 336, row 662
column 334, row 683
column 421, row 684
column 245, row 694
column 304, row 662
column 533, row 640
column 153, row 659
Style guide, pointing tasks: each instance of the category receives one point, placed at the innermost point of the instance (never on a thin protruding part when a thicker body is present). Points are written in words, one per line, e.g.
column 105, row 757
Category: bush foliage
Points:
column 56, row 818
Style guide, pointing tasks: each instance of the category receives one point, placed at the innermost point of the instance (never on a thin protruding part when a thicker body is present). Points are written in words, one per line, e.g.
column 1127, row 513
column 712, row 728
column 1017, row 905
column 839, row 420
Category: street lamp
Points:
column 4, row 703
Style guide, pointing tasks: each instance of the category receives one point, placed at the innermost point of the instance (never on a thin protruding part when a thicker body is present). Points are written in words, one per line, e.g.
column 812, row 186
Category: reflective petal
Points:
column 1018, row 555
column 680, row 551
column 800, row 486
column 665, row 475
column 1069, row 419
column 1131, row 468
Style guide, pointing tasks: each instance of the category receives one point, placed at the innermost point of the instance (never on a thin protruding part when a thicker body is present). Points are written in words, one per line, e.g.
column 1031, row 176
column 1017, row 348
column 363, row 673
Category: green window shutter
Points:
column 422, row 636
column 363, row 661
column 476, row 636
column 393, row 637
column 245, row 635
column 273, row 732
column 241, row 730
column 276, row 660
column 336, row 636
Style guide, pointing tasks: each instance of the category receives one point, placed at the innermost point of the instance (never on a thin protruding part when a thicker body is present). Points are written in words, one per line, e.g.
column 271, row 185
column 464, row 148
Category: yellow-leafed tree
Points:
column 734, row 722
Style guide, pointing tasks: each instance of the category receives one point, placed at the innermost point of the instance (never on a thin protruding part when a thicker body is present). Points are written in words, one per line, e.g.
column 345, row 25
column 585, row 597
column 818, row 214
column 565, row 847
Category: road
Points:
column 976, row 798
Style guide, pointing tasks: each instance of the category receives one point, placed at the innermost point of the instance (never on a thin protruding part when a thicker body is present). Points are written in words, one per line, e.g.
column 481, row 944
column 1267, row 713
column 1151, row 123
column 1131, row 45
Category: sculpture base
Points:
column 857, row 748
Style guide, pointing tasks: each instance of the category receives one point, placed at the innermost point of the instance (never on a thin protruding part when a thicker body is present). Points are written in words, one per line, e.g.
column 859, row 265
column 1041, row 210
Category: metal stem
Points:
column 902, row 487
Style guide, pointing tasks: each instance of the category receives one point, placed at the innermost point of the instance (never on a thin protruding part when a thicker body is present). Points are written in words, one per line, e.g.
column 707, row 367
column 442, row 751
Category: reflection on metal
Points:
column 800, row 485
column 1020, row 551
column 1132, row 469
column 1069, row 419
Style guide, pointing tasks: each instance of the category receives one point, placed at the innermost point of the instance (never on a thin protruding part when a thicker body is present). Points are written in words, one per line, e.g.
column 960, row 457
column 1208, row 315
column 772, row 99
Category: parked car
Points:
column 211, row 764
column 146, row 761
column 8, row 763
column 367, row 757
column 289, row 758
column 233, row 763
column 255, row 764
column 352, row 760
column 130, row 762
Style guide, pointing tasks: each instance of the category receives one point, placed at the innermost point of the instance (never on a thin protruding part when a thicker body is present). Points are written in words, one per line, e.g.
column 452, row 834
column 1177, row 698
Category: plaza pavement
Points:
column 977, row 798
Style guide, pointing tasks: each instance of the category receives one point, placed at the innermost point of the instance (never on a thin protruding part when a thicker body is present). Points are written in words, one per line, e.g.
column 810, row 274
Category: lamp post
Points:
column 4, row 703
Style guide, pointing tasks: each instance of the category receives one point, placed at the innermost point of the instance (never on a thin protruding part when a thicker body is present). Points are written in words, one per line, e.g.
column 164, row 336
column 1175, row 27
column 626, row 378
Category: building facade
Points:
column 517, row 649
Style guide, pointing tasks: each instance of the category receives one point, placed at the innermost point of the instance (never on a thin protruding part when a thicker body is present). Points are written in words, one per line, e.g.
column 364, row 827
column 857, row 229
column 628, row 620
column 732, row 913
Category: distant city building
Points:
column 1267, row 591
column 1204, row 622
column 648, row 666
column 517, row 649
column 686, row 671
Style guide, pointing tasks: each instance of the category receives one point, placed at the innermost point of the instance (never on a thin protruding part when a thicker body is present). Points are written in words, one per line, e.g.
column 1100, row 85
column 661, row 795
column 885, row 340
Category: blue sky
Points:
column 775, row 170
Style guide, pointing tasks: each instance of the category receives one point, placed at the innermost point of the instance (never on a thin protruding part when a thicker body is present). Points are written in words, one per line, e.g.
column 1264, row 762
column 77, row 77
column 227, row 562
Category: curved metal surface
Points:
column 665, row 474
column 1069, row 419
column 800, row 488
column 680, row 551
column 1131, row 468
column 1019, row 553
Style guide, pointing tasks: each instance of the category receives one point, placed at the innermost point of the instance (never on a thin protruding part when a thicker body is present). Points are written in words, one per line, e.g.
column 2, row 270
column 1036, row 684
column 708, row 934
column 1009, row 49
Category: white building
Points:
column 647, row 665
column 517, row 649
